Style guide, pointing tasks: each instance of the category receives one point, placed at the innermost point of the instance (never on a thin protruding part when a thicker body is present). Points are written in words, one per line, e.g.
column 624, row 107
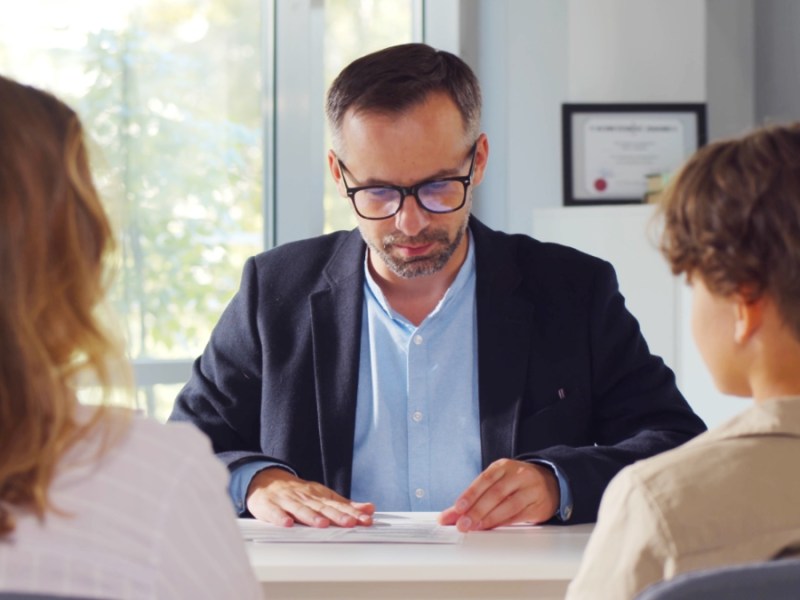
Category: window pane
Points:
column 169, row 93
column 354, row 28
column 156, row 400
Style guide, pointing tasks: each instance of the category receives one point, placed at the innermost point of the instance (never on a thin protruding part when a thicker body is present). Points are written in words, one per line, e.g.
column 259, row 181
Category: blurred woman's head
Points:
column 54, row 237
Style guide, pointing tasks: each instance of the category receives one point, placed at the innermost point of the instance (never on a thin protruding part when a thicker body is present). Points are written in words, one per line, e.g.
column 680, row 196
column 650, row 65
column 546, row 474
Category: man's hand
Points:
column 508, row 491
column 278, row 497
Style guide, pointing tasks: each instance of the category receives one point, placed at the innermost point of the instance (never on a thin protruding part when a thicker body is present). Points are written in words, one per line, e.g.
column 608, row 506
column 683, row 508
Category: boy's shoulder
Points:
column 704, row 492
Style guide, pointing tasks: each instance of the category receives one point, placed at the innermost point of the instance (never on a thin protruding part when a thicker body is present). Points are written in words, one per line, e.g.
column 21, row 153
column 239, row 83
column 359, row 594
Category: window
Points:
column 168, row 91
column 172, row 93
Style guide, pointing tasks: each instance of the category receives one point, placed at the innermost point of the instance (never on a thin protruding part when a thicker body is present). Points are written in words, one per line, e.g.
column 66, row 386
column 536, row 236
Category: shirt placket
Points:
column 418, row 421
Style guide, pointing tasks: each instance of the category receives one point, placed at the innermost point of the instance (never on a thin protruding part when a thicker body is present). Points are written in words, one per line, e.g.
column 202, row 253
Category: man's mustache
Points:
column 422, row 238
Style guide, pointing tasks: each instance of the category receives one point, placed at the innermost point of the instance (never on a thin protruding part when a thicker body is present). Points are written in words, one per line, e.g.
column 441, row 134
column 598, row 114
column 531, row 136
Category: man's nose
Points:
column 411, row 218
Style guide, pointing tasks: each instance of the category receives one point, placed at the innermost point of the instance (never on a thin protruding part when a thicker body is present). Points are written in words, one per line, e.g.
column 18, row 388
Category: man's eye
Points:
column 435, row 187
column 380, row 193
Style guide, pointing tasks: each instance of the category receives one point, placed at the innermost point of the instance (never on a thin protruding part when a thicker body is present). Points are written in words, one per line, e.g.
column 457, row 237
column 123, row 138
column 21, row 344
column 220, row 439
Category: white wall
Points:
column 533, row 55
column 519, row 51
column 730, row 73
column 637, row 50
column 777, row 57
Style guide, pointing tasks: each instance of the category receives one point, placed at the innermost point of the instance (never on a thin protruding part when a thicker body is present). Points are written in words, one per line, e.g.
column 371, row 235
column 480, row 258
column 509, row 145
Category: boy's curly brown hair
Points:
column 732, row 217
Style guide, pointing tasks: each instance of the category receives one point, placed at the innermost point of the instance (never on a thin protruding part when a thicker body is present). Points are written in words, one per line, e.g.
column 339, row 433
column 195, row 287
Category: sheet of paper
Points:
column 386, row 528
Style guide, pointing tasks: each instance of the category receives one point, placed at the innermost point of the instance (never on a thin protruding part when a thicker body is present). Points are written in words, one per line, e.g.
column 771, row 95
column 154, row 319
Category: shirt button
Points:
column 417, row 416
column 418, row 339
column 419, row 493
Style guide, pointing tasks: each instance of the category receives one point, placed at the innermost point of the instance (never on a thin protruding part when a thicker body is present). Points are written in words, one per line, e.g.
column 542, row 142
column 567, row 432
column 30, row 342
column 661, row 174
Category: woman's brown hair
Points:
column 54, row 236
column 732, row 216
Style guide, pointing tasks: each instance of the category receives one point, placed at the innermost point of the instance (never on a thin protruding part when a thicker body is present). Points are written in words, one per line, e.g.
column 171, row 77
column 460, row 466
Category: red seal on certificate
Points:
column 600, row 184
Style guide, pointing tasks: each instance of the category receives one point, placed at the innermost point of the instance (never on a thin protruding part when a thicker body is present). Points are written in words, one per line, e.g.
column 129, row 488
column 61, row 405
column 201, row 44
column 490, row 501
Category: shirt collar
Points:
column 466, row 274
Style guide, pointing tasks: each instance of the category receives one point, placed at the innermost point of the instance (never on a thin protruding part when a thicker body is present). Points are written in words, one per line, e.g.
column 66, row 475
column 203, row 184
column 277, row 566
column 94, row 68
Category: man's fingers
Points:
column 276, row 496
column 300, row 511
column 483, row 482
column 343, row 512
column 490, row 488
column 449, row 516
column 340, row 510
column 270, row 513
column 512, row 509
column 508, row 491
column 518, row 508
column 366, row 508
column 365, row 512
column 339, row 513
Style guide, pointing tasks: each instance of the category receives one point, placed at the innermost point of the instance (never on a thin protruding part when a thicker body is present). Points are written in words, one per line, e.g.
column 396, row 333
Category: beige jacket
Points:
column 731, row 495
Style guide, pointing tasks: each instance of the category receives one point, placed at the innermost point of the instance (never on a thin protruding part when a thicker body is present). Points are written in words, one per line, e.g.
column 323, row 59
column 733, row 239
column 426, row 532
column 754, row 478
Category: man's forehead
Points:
column 434, row 106
column 422, row 125
column 405, row 168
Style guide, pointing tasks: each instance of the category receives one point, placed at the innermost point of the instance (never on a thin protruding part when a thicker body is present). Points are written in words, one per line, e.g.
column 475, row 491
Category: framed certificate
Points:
column 610, row 151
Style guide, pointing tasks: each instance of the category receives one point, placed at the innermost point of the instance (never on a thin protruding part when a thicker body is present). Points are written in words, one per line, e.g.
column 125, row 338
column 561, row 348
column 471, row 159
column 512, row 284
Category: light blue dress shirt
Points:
column 417, row 435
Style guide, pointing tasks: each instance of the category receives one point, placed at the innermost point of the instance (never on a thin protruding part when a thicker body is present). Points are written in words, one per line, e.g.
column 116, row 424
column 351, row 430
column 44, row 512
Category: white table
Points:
column 510, row 562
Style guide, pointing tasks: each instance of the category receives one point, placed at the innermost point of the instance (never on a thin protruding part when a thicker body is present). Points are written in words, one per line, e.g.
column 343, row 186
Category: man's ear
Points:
column 336, row 173
column 748, row 316
column 481, row 159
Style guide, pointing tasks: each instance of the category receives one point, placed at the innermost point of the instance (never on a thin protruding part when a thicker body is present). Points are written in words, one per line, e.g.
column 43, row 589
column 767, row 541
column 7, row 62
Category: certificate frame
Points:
column 609, row 150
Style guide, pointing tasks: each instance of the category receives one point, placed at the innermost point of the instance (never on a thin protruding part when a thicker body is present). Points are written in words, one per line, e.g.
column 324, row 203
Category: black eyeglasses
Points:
column 444, row 195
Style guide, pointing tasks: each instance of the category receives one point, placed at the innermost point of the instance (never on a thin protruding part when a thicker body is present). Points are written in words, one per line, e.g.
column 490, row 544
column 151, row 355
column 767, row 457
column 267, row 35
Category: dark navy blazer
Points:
column 564, row 373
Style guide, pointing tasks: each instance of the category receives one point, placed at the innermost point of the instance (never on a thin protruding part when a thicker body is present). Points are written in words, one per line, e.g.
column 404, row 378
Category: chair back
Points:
column 773, row 580
column 36, row 596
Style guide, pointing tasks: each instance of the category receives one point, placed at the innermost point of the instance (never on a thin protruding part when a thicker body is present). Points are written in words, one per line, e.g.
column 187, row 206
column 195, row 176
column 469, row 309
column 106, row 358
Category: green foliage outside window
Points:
column 171, row 101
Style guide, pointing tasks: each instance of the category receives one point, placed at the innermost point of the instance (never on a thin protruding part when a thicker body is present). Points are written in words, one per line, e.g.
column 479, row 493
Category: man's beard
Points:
column 418, row 266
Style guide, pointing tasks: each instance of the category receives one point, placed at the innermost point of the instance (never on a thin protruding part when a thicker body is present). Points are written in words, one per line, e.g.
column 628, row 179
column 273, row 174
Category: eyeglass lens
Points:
column 436, row 196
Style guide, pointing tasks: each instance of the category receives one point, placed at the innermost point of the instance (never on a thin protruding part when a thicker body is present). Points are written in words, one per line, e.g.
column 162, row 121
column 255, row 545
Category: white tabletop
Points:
column 509, row 554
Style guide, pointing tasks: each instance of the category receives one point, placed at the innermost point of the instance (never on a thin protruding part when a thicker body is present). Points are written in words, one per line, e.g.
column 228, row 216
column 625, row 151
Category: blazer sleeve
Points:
column 636, row 410
column 223, row 395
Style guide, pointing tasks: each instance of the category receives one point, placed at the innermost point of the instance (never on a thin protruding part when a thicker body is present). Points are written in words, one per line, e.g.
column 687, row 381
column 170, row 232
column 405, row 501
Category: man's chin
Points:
column 419, row 266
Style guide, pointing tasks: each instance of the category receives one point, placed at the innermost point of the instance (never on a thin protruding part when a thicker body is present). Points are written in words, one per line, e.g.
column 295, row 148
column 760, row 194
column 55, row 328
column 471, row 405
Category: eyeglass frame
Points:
column 412, row 190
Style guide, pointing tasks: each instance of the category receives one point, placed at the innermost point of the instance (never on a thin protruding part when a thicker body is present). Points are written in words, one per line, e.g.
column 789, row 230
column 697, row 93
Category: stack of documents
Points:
column 386, row 528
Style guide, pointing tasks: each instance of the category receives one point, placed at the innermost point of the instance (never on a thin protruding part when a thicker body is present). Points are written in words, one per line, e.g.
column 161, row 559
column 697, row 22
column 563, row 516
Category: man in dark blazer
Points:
column 537, row 385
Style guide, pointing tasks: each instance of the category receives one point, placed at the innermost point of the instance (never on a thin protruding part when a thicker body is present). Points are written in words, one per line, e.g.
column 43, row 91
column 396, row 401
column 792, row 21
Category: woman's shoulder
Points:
column 173, row 445
column 171, row 435
column 144, row 449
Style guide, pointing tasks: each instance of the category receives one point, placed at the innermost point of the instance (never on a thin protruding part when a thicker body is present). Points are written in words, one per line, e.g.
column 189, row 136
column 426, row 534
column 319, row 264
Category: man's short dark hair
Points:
column 397, row 78
column 732, row 217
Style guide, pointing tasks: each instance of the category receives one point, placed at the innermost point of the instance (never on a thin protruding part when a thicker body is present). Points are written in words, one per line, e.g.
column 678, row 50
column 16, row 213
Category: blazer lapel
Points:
column 336, row 313
column 504, row 346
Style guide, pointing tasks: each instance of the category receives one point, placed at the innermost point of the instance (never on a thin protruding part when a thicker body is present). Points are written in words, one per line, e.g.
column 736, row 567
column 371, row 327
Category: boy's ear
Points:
column 748, row 315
